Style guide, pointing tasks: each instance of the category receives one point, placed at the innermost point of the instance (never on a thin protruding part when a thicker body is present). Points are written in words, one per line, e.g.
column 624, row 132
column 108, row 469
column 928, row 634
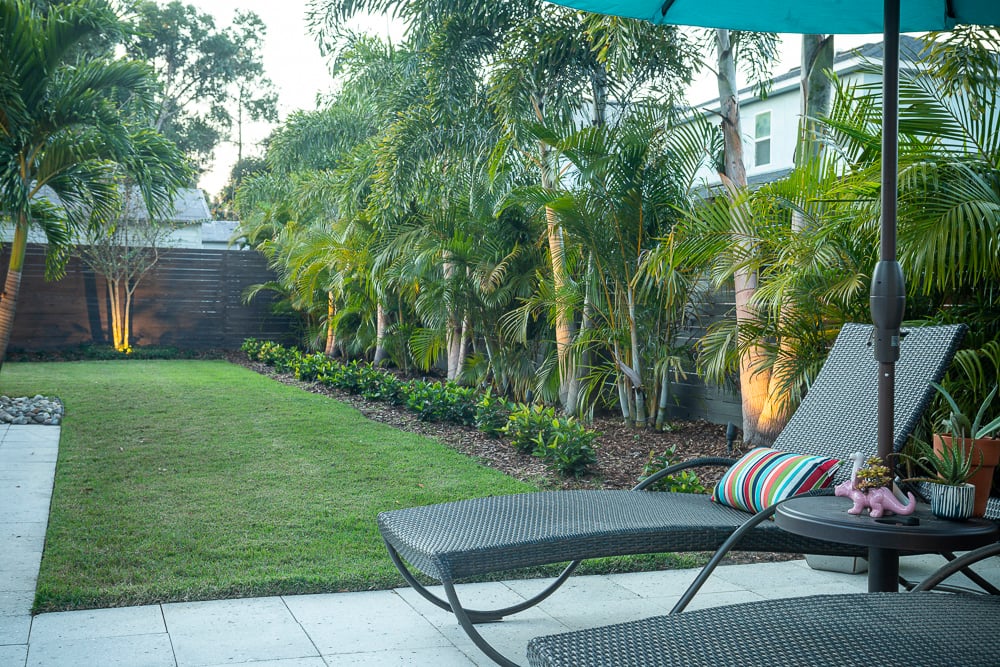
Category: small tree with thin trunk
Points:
column 124, row 250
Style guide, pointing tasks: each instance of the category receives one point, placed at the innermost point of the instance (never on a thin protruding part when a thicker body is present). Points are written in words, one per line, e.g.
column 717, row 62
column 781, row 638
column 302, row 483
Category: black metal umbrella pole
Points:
column 888, row 289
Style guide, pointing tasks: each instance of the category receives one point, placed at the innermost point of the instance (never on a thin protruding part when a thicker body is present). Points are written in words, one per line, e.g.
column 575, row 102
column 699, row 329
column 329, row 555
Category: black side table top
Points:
column 826, row 518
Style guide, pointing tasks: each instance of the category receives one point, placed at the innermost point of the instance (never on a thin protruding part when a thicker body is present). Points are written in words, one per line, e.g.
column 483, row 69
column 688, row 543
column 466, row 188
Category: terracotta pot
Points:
column 982, row 479
column 954, row 503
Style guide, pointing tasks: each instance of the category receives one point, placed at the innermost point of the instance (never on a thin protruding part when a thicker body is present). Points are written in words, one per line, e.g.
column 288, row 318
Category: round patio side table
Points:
column 826, row 518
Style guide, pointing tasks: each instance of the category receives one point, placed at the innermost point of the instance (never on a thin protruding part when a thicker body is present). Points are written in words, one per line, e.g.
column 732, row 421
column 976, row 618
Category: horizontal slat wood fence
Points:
column 192, row 300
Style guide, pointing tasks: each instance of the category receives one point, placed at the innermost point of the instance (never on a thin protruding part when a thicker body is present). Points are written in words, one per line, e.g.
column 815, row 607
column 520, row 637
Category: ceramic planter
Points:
column 955, row 503
column 989, row 451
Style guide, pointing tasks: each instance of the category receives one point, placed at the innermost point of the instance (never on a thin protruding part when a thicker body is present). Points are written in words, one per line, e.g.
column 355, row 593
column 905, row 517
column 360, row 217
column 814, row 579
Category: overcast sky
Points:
column 293, row 62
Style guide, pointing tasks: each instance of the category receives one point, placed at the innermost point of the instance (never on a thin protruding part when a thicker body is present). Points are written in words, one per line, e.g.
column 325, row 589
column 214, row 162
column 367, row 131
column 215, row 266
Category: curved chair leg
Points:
column 717, row 557
column 479, row 615
column 959, row 564
column 470, row 629
column 731, row 541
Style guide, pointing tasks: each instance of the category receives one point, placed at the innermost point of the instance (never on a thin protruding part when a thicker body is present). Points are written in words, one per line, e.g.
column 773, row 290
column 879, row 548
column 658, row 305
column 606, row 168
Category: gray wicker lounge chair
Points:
column 916, row 629
column 451, row 541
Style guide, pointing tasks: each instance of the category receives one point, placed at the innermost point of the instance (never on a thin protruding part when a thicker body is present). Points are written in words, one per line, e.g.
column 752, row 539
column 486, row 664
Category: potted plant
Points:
column 949, row 465
column 976, row 439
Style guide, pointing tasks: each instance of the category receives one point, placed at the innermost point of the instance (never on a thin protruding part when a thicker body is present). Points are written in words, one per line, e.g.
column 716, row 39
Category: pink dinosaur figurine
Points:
column 879, row 501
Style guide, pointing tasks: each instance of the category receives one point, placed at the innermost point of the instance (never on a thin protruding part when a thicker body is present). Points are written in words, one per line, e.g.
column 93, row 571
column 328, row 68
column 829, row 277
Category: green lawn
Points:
column 187, row 480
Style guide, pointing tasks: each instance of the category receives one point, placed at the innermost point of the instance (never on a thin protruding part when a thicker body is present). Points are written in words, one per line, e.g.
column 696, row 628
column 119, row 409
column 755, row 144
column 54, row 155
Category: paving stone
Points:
column 358, row 622
column 16, row 603
column 428, row 657
column 15, row 629
column 291, row 662
column 131, row 651
column 96, row 623
column 207, row 633
column 13, row 656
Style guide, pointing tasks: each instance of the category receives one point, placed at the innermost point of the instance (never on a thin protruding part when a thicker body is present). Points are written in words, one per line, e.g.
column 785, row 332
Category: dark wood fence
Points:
column 691, row 398
column 192, row 300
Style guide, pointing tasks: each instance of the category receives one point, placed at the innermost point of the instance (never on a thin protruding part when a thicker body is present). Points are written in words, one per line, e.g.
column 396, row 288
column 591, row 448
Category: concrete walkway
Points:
column 376, row 628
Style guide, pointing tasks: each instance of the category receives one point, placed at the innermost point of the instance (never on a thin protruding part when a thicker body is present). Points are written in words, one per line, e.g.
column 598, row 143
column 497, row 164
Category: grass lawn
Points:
column 187, row 480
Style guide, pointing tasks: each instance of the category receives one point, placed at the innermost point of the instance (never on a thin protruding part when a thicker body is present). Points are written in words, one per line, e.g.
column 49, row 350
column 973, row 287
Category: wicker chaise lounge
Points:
column 916, row 629
column 837, row 417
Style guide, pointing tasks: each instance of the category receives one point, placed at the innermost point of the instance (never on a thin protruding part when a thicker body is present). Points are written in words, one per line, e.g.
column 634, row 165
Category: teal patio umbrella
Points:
column 838, row 17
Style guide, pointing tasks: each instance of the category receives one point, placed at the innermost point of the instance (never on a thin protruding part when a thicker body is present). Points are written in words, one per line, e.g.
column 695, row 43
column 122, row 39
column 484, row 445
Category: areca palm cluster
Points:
column 460, row 264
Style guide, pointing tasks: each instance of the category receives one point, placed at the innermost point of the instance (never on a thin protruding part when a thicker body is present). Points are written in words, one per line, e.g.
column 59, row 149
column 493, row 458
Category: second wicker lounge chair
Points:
column 837, row 417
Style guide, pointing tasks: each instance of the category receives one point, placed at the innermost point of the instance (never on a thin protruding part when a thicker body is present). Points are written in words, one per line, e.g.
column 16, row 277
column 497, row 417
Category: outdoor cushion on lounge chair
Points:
column 836, row 418
column 918, row 629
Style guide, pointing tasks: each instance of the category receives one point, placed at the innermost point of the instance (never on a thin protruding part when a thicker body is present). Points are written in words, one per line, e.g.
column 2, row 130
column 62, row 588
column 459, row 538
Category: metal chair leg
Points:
column 479, row 615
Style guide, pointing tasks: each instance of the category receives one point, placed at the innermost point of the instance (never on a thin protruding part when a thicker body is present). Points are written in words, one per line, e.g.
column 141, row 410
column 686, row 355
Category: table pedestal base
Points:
column 883, row 570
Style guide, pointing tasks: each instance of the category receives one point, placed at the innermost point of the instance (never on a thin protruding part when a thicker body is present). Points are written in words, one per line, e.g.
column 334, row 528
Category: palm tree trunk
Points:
column 816, row 93
column 12, row 284
column 639, row 385
column 381, row 328
column 661, row 413
column 127, row 318
column 753, row 385
column 623, row 400
column 114, row 314
column 331, row 336
column 568, row 383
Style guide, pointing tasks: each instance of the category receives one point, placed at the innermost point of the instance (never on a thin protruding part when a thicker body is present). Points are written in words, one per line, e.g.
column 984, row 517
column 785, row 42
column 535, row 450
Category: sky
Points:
column 293, row 62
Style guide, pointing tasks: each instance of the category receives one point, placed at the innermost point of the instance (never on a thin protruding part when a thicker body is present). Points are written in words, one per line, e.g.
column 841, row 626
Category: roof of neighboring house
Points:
column 218, row 231
column 190, row 205
column 909, row 51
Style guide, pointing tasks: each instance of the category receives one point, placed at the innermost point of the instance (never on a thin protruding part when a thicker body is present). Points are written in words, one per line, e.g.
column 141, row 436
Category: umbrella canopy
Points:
column 821, row 16
column 888, row 293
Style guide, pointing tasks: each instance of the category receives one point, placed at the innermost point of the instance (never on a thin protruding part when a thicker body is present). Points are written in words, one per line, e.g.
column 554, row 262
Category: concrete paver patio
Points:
column 395, row 627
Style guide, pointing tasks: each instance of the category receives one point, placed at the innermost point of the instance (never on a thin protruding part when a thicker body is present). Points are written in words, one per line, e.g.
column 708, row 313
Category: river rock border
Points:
column 38, row 409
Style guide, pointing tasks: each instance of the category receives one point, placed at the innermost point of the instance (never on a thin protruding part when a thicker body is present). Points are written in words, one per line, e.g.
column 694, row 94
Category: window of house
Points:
column 762, row 139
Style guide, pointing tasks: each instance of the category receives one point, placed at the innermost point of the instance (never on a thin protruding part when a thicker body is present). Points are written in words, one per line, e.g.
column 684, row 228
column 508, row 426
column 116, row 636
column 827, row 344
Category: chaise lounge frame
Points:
column 469, row 538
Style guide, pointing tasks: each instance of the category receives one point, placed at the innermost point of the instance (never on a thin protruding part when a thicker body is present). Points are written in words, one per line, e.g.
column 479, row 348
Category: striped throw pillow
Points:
column 765, row 476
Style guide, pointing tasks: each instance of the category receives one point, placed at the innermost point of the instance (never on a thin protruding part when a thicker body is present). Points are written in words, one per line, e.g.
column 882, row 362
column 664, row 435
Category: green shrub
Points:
column 527, row 424
column 309, row 367
column 492, row 413
column 277, row 356
column 564, row 443
column 569, row 449
column 448, row 402
column 381, row 386
column 251, row 347
column 686, row 481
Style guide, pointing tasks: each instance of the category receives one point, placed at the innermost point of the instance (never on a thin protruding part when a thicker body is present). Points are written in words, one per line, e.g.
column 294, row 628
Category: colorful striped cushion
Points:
column 765, row 476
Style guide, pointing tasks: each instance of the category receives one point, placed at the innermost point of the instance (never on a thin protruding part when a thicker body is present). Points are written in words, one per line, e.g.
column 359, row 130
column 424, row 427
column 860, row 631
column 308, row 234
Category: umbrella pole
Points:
column 888, row 292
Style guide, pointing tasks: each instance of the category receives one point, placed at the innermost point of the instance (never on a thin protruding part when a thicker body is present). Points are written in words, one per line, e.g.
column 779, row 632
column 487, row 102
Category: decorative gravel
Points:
column 45, row 410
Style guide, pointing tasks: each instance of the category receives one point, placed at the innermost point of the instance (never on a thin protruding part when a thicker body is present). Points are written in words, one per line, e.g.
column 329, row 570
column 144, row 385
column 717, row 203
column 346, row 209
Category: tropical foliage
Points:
column 471, row 201
column 512, row 197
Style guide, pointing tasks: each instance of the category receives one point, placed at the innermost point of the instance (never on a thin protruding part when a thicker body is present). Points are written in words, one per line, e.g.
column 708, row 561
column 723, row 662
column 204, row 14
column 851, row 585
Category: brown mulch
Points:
column 622, row 451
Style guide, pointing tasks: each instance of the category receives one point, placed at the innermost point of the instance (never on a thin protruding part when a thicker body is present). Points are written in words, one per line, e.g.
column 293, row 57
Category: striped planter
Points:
column 952, row 502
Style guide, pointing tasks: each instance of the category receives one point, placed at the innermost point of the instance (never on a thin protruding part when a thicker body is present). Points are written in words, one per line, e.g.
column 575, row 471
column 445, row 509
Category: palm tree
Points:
column 542, row 63
column 64, row 127
column 632, row 180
